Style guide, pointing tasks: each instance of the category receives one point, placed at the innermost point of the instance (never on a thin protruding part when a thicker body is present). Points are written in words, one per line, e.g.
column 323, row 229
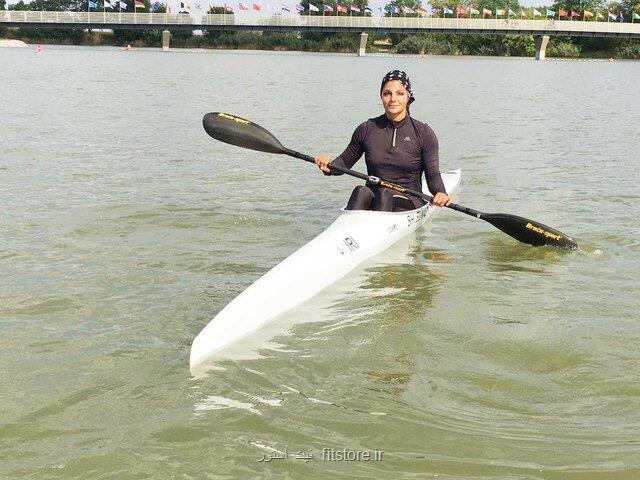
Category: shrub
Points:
column 630, row 50
column 562, row 49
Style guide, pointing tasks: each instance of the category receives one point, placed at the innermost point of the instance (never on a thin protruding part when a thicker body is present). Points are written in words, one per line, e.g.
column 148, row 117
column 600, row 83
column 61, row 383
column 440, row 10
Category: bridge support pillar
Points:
column 363, row 44
column 541, row 46
column 166, row 37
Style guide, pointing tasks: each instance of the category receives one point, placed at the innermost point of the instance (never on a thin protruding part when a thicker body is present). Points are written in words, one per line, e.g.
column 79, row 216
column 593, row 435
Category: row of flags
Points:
column 458, row 11
column 122, row 5
column 499, row 12
column 299, row 8
column 392, row 9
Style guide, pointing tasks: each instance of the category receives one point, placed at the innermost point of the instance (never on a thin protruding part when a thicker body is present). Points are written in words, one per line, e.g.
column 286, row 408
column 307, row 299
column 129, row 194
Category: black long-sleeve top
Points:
column 396, row 151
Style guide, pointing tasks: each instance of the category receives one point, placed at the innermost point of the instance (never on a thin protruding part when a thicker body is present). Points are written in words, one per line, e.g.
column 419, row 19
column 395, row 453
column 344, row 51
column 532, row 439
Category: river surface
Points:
column 460, row 354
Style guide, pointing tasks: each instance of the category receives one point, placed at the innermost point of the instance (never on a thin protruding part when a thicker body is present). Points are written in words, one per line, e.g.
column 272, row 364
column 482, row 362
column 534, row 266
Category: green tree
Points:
column 3, row 3
column 46, row 5
column 502, row 4
column 630, row 6
column 19, row 6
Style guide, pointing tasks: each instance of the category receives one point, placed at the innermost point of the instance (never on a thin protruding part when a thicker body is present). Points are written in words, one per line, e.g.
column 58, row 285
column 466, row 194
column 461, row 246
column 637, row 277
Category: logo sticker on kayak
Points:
column 348, row 244
column 416, row 216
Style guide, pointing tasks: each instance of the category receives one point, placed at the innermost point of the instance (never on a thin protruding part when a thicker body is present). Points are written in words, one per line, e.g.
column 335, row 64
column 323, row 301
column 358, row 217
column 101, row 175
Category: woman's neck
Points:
column 398, row 117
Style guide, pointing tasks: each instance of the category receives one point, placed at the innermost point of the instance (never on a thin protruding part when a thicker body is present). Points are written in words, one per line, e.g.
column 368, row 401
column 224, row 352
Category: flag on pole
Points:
column 257, row 7
column 562, row 13
column 460, row 11
column 600, row 15
column 138, row 4
column 612, row 16
column 408, row 10
column 313, row 8
column 447, row 11
column 355, row 9
column 299, row 8
column 636, row 16
column 327, row 8
column 550, row 13
column 285, row 8
column 574, row 14
column 588, row 14
column 367, row 10
column 486, row 13
column 92, row 5
column 511, row 12
column 536, row 13
column 341, row 8
column 242, row 6
column 621, row 16
column 108, row 4
column 184, row 6
column 523, row 13
column 473, row 11
column 499, row 12
column 227, row 8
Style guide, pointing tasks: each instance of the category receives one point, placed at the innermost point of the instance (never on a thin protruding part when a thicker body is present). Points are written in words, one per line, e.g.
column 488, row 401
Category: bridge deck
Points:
column 318, row 23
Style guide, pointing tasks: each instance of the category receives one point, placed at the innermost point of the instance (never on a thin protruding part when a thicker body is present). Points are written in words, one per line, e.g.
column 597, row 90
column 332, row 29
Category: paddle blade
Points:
column 529, row 231
column 240, row 132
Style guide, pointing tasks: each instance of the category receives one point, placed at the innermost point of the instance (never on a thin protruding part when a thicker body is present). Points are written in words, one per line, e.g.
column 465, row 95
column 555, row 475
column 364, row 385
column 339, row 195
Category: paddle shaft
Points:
column 243, row 133
column 372, row 180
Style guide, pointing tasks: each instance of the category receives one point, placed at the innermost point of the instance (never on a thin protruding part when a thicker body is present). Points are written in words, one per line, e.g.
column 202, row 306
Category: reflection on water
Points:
column 504, row 254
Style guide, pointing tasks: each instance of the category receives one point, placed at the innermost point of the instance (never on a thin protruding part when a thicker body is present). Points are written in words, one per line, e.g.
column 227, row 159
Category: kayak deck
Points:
column 354, row 237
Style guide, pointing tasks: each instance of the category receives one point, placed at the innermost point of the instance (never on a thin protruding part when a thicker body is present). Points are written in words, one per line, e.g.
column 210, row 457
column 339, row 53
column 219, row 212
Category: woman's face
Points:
column 395, row 97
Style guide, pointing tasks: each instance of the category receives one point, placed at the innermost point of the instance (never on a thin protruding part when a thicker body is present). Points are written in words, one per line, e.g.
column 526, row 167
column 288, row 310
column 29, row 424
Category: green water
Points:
column 460, row 354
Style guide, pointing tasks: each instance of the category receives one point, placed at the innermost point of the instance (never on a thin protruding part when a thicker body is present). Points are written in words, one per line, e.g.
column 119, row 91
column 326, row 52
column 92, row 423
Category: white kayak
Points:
column 354, row 237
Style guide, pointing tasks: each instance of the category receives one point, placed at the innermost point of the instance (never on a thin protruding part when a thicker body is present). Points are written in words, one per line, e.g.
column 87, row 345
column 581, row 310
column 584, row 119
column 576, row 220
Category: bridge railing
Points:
column 552, row 27
column 95, row 17
column 429, row 23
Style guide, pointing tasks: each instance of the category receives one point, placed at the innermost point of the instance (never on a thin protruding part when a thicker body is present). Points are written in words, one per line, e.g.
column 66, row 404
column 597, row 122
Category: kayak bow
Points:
column 353, row 238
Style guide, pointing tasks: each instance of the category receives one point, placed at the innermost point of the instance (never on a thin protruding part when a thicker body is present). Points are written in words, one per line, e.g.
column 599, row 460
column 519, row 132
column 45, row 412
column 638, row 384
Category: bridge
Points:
column 541, row 30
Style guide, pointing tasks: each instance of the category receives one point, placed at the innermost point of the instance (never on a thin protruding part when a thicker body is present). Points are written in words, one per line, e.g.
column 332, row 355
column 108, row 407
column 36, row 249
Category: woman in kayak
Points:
column 397, row 148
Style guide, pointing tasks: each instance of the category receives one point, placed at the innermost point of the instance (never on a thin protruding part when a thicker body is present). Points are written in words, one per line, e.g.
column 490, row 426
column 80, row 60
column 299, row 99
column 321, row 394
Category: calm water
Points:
column 461, row 354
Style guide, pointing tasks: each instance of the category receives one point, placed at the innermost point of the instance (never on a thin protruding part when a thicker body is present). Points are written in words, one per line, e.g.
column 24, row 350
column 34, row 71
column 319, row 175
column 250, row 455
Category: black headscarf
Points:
column 402, row 78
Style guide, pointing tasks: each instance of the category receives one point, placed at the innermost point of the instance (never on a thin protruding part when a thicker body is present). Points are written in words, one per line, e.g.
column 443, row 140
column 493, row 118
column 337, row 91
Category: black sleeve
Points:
column 430, row 161
column 354, row 150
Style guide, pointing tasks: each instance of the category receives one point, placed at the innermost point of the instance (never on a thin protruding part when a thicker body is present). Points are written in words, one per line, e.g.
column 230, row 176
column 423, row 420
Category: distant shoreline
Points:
column 422, row 44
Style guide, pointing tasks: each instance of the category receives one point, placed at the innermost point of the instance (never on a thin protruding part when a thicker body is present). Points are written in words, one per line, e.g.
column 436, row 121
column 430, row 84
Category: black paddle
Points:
column 243, row 133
